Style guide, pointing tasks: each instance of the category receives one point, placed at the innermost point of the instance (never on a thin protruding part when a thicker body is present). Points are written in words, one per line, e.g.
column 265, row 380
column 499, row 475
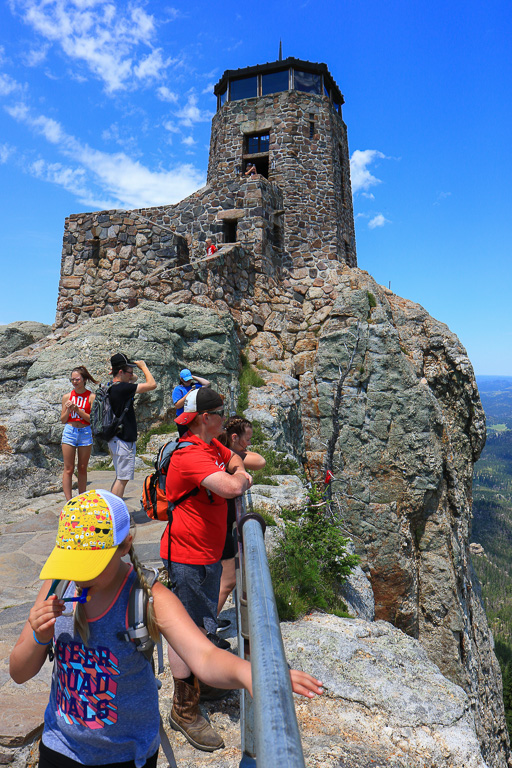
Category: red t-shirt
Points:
column 82, row 401
column 198, row 528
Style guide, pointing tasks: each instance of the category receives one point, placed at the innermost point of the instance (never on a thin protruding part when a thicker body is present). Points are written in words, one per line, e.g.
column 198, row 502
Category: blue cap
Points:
column 186, row 375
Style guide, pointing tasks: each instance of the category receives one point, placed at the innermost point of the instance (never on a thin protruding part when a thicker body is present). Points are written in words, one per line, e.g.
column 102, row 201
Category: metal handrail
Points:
column 270, row 732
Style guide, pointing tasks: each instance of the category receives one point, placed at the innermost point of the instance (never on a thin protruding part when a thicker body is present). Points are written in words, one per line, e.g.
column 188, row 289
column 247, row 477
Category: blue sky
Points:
column 107, row 104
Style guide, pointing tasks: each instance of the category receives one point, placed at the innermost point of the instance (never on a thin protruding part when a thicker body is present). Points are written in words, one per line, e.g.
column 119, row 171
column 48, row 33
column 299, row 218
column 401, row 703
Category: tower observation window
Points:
column 258, row 143
column 308, row 82
column 273, row 82
column 244, row 88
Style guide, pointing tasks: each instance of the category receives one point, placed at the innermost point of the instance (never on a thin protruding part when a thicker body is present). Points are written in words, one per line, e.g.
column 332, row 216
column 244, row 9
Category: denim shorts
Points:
column 197, row 586
column 123, row 456
column 79, row 437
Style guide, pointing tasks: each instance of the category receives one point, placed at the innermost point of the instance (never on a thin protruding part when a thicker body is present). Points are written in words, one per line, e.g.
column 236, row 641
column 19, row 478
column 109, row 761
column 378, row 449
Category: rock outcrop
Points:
column 386, row 703
column 166, row 337
column 15, row 336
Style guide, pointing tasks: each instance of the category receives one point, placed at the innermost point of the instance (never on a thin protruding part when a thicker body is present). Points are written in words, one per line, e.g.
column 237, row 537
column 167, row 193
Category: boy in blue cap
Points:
column 188, row 381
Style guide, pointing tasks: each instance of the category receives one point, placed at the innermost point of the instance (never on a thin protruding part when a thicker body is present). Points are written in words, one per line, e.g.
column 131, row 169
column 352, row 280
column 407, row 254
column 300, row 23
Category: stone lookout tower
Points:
column 285, row 117
column 290, row 222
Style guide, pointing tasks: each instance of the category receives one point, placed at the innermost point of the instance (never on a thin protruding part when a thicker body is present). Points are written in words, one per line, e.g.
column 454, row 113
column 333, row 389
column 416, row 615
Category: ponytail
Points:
column 153, row 628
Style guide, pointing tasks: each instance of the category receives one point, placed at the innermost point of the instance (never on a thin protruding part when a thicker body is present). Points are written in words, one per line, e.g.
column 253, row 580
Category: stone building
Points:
column 291, row 220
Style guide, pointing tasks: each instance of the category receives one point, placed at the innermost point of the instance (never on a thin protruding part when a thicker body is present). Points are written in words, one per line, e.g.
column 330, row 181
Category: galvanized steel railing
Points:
column 270, row 733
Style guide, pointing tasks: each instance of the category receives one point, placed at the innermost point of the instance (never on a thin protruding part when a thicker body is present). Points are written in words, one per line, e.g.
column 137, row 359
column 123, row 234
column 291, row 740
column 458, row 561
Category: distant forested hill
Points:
column 496, row 396
column 492, row 521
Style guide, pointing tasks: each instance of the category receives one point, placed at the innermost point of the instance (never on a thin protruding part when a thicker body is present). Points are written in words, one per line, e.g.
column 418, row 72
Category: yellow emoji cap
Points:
column 91, row 527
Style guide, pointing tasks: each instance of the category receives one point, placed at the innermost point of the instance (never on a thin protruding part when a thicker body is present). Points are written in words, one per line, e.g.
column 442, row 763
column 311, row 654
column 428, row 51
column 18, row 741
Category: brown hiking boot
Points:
column 185, row 718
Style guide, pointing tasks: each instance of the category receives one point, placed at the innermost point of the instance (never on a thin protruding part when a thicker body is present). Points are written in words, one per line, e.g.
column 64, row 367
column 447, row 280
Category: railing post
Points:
column 244, row 651
column 276, row 731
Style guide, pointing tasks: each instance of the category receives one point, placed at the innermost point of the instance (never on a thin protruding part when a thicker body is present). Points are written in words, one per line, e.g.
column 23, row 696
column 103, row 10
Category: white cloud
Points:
column 36, row 56
column 100, row 35
column 8, row 85
column 191, row 113
column 360, row 176
column 441, row 196
column 378, row 221
column 128, row 183
column 189, row 141
column 171, row 127
column 152, row 66
column 71, row 179
column 164, row 94
column 5, row 152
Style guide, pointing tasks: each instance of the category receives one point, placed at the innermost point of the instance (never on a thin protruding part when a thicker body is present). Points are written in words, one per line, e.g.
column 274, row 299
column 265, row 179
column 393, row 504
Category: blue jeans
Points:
column 197, row 586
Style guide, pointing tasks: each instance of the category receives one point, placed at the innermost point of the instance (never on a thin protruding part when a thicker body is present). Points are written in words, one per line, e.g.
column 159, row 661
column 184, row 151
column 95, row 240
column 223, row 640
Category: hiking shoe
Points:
column 223, row 623
column 218, row 641
column 186, row 719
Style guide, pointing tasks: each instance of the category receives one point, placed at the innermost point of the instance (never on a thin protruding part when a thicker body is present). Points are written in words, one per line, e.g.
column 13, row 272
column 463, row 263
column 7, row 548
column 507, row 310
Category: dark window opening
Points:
column 311, row 129
column 229, row 230
column 273, row 82
column 244, row 88
column 95, row 248
column 261, row 164
column 277, row 236
column 222, row 98
column 257, row 143
column 308, row 82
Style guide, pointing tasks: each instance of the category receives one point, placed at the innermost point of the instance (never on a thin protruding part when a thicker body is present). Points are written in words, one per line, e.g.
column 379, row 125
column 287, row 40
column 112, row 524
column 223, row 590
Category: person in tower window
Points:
column 251, row 170
column 77, row 435
column 211, row 248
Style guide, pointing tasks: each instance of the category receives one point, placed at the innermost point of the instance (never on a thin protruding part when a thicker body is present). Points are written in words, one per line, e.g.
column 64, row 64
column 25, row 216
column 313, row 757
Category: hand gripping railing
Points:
column 270, row 733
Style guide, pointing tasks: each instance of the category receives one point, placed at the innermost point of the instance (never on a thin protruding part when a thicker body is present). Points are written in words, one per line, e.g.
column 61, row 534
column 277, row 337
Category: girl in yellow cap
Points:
column 103, row 707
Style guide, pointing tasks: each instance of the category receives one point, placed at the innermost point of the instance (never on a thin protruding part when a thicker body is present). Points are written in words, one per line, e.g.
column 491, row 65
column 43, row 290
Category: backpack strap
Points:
column 138, row 633
column 137, row 630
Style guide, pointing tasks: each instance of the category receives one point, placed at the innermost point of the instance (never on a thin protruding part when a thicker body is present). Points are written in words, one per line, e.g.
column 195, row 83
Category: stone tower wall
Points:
column 313, row 172
column 111, row 260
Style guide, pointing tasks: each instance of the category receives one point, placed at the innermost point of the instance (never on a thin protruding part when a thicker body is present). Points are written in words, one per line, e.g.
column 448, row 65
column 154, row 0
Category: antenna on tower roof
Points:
column 280, row 50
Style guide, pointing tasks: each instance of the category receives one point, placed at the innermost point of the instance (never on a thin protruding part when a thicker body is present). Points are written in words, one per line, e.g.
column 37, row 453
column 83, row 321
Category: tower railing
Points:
column 270, row 732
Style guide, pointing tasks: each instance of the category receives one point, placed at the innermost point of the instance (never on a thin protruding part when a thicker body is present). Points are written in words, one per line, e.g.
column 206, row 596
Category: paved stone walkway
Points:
column 27, row 537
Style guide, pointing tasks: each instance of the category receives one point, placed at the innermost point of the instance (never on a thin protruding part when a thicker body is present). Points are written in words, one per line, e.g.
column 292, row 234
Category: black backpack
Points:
column 105, row 425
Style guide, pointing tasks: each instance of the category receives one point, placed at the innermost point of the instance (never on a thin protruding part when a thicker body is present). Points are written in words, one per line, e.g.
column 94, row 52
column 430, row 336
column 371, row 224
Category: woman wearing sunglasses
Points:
column 77, row 435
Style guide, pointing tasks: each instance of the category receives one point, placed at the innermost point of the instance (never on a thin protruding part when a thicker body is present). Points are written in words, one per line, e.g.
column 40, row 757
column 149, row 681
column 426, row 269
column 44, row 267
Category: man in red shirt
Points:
column 192, row 548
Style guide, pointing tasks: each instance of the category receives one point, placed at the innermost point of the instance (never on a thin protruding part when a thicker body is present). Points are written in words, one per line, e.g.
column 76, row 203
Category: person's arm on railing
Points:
column 212, row 665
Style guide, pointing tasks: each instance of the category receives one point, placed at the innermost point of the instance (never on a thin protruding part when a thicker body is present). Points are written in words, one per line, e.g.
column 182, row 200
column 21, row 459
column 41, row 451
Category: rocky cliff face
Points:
column 407, row 430
column 410, row 426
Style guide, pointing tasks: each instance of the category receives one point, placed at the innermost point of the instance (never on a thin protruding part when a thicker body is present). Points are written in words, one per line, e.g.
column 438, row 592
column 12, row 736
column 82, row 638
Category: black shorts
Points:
column 229, row 545
column 48, row 758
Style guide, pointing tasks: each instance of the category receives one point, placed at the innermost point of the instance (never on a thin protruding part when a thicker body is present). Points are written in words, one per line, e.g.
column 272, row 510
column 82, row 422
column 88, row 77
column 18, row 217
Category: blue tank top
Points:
column 103, row 704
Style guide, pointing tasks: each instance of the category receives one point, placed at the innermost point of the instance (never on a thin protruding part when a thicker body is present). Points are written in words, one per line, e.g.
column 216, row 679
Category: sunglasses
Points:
column 216, row 413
